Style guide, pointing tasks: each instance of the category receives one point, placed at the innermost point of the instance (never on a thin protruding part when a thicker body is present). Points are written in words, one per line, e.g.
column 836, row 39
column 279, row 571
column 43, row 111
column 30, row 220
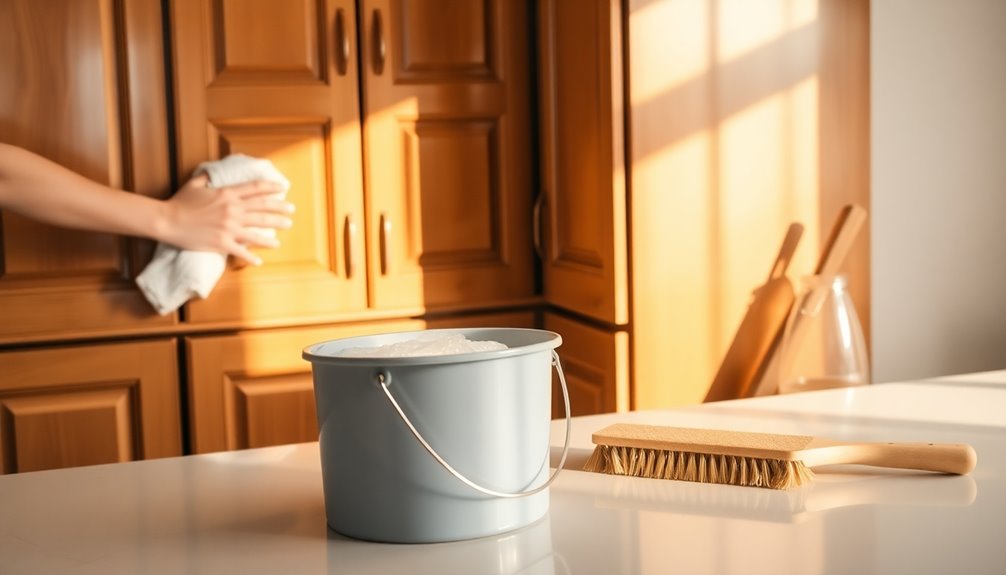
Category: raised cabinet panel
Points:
column 442, row 221
column 446, row 130
column 69, row 93
column 239, row 27
column 306, row 263
column 287, row 94
column 272, row 410
column 86, row 405
column 583, row 164
column 65, row 429
column 438, row 192
column 426, row 51
column 254, row 389
column 596, row 365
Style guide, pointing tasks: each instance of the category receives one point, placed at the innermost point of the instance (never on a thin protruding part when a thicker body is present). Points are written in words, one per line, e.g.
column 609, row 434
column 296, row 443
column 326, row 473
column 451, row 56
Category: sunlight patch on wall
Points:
column 804, row 172
column 671, row 208
column 678, row 36
column 725, row 155
column 743, row 26
column 768, row 178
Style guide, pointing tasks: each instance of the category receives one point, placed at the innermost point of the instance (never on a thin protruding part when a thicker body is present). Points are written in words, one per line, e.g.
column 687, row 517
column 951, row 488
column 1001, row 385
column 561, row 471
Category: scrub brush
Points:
column 755, row 459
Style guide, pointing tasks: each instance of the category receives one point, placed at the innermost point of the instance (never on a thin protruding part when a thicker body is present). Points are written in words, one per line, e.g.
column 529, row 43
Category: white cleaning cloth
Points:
column 174, row 276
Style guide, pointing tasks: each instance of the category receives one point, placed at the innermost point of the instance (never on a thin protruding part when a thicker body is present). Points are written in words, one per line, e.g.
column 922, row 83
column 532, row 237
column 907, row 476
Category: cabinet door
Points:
column 87, row 405
column 278, row 79
column 69, row 92
column 583, row 239
column 446, row 103
column 596, row 364
column 254, row 389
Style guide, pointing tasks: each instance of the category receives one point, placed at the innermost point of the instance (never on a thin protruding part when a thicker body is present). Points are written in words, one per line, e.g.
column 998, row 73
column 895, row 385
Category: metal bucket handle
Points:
column 384, row 379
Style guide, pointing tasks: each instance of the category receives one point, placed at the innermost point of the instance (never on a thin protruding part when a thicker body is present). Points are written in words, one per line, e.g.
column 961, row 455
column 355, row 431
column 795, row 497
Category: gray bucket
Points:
column 436, row 448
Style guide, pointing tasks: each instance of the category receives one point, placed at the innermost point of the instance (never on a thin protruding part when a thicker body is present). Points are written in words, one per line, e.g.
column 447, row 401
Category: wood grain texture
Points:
column 448, row 170
column 439, row 137
column 714, row 441
column 583, row 173
column 253, row 389
column 955, row 458
column 280, row 96
column 70, row 93
column 89, row 404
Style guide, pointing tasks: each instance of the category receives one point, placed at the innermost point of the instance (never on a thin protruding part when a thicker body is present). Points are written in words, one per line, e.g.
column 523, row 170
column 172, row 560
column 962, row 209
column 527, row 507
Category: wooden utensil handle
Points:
column 843, row 234
column 957, row 458
column 787, row 250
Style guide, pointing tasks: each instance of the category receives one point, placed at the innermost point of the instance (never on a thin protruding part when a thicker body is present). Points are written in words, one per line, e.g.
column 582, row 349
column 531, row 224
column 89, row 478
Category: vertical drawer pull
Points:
column 385, row 244
column 536, row 225
column 348, row 241
column 380, row 46
column 341, row 42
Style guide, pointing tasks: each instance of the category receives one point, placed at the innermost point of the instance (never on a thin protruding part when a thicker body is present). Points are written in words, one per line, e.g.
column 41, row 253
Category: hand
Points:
column 224, row 219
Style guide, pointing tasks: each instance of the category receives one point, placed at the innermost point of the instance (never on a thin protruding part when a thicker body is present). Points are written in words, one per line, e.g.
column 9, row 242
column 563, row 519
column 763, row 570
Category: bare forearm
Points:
column 45, row 191
column 195, row 217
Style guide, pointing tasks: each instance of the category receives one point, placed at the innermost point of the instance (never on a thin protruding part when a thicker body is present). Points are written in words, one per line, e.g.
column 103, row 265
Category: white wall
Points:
column 938, row 212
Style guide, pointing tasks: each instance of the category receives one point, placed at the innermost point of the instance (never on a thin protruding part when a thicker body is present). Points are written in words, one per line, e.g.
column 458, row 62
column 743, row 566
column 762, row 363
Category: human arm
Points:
column 194, row 218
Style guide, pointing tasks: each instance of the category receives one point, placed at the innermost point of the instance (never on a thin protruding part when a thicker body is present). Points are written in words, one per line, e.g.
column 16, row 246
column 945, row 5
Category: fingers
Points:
column 269, row 205
column 273, row 204
column 243, row 253
column 266, row 220
column 246, row 239
column 262, row 207
column 255, row 239
column 255, row 188
column 263, row 212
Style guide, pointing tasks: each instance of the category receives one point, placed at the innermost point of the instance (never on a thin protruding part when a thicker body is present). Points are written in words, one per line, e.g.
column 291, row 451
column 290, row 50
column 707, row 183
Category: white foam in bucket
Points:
column 436, row 448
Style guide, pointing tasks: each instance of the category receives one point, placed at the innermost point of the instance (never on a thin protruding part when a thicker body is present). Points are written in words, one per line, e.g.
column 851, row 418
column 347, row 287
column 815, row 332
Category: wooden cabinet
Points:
column 679, row 140
column 447, row 126
column 272, row 80
column 89, row 404
column 584, row 225
column 405, row 138
column 596, row 364
column 583, row 189
column 253, row 389
column 82, row 83
column 405, row 129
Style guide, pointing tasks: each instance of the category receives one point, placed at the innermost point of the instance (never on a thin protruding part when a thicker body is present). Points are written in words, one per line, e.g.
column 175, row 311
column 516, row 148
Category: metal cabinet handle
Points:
column 385, row 229
column 380, row 46
column 348, row 241
column 341, row 42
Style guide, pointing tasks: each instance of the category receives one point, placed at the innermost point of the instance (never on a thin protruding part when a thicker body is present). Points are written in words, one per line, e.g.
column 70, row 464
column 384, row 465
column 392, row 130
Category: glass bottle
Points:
column 823, row 345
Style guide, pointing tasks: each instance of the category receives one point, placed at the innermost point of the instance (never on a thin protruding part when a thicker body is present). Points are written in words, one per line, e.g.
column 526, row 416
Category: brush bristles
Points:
column 698, row 467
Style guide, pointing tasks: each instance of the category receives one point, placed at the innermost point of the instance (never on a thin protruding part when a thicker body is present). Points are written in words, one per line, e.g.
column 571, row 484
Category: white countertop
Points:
column 261, row 511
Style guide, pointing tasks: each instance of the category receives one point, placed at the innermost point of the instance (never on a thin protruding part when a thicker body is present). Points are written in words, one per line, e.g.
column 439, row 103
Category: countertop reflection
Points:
column 262, row 511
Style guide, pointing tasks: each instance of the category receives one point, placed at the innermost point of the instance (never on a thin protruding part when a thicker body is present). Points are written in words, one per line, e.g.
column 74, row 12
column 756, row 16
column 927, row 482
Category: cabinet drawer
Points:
column 253, row 389
column 90, row 404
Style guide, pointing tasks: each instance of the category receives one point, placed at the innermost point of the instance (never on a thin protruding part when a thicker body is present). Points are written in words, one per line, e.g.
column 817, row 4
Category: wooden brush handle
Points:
column 957, row 458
